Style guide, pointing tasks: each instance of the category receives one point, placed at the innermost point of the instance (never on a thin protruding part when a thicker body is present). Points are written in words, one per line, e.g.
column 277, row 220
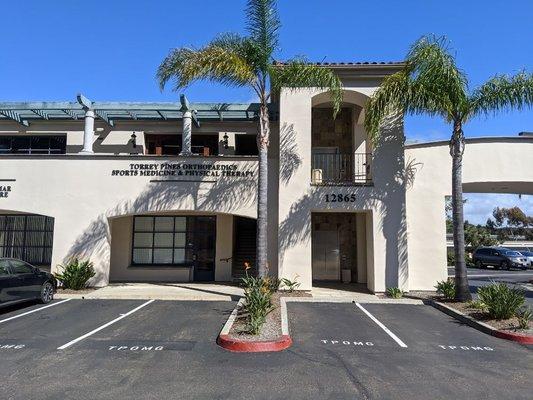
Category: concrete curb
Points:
column 354, row 300
column 480, row 326
column 60, row 296
column 245, row 346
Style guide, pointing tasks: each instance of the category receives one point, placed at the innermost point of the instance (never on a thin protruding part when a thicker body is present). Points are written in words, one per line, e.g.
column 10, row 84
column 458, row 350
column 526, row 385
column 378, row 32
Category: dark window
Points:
column 246, row 145
column 169, row 240
column 23, row 144
column 27, row 237
column 170, row 145
column 20, row 267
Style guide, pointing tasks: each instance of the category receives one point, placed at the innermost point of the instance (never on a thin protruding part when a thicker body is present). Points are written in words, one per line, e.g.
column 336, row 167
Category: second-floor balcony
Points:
column 341, row 168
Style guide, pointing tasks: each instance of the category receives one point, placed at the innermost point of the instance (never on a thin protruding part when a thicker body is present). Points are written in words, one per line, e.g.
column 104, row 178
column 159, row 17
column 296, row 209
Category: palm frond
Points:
column 223, row 60
column 502, row 93
column 263, row 27
column 392, row 96
column 430, row 83
column 299, row 74
column 432, row 66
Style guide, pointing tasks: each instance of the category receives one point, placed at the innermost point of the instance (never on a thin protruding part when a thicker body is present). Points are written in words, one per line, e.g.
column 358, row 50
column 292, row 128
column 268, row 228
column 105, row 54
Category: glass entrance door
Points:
column 203, row 240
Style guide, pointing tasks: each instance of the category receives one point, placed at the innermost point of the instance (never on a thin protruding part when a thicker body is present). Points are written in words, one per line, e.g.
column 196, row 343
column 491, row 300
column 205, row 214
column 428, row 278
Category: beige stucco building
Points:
column 118, row 183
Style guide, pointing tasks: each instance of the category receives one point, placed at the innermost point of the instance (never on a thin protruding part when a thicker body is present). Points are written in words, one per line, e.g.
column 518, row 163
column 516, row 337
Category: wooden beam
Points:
column 40, row 113
column 15, row 116
column 195, row 119
column 72, row 114
column 103, row 115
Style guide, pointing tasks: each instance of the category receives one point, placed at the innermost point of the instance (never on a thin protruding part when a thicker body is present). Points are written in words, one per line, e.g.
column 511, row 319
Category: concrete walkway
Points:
column 164, row 291
column 341, row 291
column 322, row 291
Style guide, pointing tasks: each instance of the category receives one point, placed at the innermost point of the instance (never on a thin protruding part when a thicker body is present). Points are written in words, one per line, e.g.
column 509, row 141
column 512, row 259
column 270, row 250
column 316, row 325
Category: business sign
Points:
column 5, row 188
column 185, row 170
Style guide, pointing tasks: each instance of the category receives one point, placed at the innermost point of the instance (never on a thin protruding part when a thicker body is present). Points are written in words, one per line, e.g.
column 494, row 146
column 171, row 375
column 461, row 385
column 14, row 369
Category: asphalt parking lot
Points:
column 123, row 349
column 513, row 278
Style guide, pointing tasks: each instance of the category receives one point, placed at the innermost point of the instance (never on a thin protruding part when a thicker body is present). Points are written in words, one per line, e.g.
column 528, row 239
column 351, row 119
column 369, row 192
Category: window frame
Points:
column 29, row 150
column 187, row 248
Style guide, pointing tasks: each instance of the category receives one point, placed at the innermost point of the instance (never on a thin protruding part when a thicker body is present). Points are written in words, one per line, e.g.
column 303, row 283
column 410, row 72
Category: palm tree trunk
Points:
column 262, row 192
column 457, row 145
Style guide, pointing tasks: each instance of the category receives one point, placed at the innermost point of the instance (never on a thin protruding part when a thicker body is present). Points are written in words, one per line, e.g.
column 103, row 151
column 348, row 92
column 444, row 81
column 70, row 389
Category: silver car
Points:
column 529, row 257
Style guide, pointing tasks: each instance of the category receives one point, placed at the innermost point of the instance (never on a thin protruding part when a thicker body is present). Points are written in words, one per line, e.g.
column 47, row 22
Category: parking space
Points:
column 389, row 350
column 121, row 349
column 400, row 328
column 127, row 326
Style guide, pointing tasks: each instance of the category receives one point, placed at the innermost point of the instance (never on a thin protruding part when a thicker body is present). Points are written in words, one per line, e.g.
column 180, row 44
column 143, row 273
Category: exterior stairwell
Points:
column 244, row 246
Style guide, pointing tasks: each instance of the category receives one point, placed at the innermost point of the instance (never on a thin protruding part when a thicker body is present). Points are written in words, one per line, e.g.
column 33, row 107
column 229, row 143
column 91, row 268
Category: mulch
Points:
column 271, row 330
column 72, row 291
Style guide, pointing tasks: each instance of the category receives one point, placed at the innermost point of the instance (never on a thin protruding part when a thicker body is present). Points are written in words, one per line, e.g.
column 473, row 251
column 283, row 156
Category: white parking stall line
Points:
column 387, row 331
column 34, row 311
column 103, row 326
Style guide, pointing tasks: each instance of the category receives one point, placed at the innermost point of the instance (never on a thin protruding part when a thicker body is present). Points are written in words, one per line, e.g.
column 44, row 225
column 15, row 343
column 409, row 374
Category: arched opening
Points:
column 180, row 246
column 340, row 151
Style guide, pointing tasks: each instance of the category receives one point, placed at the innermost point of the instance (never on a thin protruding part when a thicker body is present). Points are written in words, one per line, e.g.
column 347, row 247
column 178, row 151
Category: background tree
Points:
column 236, row 60
column 510, row 222
column 431, row 83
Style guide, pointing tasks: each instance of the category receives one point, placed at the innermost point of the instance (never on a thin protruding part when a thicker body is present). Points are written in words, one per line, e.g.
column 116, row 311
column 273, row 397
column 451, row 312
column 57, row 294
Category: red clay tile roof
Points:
column 342, row 64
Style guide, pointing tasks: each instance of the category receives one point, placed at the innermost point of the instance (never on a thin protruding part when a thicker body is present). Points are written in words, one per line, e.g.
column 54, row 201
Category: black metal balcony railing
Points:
column 341, row 168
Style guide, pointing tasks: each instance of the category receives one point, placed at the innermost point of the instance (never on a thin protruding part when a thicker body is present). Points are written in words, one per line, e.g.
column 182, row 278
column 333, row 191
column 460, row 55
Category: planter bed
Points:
column 271, row 336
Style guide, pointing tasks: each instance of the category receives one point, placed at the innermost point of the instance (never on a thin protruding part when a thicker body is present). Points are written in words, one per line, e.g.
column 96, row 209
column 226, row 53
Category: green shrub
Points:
column 289, row 285
column 75, row 274
column 524, row 317
column 258, row 299
column 272, row 284
column 450, row 256
column 502, row 301
column 446, row 289
column 477, row 305
column 395, row 293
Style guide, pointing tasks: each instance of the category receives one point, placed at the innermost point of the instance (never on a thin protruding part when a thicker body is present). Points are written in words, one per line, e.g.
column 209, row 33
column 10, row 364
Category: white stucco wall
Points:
column 383, row 202
column 83, row 196
column 491, row 165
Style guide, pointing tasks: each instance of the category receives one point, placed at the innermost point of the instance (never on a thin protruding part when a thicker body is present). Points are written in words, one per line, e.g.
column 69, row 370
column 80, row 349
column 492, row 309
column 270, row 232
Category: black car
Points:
column 20, row 281
column 499, row 257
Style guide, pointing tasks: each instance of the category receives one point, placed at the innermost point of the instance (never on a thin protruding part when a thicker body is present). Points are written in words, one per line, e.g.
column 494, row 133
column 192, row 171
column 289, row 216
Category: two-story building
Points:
column 126, row 186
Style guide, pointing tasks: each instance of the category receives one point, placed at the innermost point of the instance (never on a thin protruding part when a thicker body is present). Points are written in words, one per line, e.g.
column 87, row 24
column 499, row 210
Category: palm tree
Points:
column 248, row 61
column 431, row 83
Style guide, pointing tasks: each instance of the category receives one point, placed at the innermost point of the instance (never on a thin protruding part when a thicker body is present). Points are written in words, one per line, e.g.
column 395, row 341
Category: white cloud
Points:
column 479, row 206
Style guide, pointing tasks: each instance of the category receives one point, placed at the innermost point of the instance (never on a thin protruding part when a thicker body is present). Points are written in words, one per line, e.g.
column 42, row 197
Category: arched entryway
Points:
column 180, row 247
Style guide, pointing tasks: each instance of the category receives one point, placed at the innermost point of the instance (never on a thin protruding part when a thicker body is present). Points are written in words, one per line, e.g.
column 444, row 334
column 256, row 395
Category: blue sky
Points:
column 109, row 50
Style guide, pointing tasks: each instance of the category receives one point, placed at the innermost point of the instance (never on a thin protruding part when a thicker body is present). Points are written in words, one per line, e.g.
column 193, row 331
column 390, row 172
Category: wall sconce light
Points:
column 225, row 141
column 134, row 140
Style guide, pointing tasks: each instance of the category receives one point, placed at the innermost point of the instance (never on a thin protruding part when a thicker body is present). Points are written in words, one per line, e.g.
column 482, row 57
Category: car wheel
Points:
column 479, row 264
column 47, row 293
column 505, row 265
